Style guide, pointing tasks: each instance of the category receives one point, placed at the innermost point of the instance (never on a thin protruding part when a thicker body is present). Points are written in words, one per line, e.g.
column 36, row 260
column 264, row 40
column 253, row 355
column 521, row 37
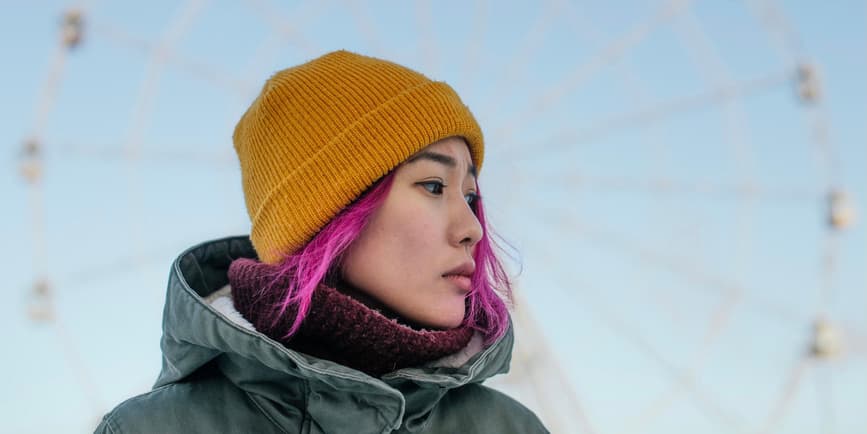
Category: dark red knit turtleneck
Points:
column 338, row 327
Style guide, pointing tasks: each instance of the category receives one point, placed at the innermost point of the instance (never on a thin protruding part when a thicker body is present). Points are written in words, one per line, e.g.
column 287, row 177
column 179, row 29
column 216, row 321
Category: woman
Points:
column 364, row 299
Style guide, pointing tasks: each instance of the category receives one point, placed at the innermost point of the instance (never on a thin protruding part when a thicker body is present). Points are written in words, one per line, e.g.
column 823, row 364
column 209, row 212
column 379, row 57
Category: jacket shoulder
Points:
column 476, row 408
column 208, row 405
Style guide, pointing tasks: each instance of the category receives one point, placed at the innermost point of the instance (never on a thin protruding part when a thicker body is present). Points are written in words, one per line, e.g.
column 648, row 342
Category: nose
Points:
column 466, row 230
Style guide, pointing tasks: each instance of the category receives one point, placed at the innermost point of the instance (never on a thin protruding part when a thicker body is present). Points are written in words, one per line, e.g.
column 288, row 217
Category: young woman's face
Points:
column 416, row 254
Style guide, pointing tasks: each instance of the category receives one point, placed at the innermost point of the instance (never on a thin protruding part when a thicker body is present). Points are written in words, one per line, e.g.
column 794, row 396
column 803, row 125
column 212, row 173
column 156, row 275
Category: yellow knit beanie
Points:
column 320, row 133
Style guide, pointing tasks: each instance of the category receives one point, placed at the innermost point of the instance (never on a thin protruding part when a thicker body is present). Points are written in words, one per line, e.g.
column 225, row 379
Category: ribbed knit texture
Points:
column 338, row 327
column 321, row 133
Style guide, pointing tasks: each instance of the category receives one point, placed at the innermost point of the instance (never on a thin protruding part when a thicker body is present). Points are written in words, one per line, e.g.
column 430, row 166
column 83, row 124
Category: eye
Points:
column 471, row 198
column 433, row 187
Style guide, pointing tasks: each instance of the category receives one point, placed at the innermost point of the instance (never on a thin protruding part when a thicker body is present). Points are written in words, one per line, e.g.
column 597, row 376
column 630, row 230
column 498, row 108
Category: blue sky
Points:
column 648, row 189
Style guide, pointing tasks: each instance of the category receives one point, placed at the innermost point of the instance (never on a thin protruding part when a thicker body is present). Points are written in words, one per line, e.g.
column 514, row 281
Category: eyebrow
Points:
column 442, row 159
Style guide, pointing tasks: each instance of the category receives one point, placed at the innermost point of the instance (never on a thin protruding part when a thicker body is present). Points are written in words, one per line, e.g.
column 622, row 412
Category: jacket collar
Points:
column 196, row 336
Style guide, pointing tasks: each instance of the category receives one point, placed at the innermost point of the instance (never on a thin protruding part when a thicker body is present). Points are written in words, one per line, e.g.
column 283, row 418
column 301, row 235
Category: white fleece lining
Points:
column 221, row 300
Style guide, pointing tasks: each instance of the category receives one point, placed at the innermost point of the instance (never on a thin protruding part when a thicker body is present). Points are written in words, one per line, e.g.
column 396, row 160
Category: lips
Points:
column 465, row 269
column 461, row 276
column 462, row 282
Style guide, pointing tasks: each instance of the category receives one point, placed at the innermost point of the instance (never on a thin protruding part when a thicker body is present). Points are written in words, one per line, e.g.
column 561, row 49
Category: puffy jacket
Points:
column 218, row 376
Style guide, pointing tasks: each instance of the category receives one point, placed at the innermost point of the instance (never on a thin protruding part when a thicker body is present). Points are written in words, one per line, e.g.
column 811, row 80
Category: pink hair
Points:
column 318, row 260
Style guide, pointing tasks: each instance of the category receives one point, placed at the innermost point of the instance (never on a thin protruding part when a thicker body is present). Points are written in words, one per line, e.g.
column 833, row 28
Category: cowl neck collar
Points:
column 338, row 327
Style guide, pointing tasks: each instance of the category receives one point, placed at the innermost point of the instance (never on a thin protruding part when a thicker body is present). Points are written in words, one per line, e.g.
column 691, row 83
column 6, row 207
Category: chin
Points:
column 445, row 321
column 440, row 313
column 445, row 325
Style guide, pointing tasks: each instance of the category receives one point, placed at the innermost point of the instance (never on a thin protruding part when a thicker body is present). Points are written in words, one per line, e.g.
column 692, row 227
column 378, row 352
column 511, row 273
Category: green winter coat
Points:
column 218, row 377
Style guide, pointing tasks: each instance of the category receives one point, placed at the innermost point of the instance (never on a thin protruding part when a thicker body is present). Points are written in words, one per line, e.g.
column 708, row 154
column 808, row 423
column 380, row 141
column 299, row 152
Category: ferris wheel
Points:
column 559, row 174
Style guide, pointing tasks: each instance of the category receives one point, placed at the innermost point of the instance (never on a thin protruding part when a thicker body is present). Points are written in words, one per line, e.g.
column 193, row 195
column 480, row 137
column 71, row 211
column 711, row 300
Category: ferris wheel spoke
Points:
column 541, row 362
column 691, row 271
column 700, row 48
column 208, row 73
column 178, row 154
column 717, row 73
column 262, row 54
column 516, row 67
column 285, row 26
column 585, row 28
column 143, row 107
column 684, row 378
column 663, row 186
column 784, row 38
column 561, row 141
column 75, row 362
column 182, row 22
column 640, row 92
column 366, row 26
column 787, row 395
column 473, row 57
column 704, row 400
column 682, row 266
column 427, row 47
column 587, row 70
column 825, row 399
column 719, row 319
column 86, row 275
column 281, row 31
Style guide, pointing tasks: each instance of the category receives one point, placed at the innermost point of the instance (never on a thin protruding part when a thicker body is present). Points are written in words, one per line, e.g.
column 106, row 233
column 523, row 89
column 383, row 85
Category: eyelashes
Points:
column 433, row 187
column 471, row 199
column 437, row 187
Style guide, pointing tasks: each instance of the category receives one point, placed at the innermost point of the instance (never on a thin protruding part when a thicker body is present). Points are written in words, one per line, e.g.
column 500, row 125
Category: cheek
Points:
column 409, row 236
column 394, row 250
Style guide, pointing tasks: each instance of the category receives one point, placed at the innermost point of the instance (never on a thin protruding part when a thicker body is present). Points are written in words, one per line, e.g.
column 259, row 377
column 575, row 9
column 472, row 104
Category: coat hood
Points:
column 198, row 338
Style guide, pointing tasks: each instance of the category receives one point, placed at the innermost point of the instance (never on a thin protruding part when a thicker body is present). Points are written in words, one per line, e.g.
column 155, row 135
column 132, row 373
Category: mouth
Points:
column 461, row 276
column 464, row 283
